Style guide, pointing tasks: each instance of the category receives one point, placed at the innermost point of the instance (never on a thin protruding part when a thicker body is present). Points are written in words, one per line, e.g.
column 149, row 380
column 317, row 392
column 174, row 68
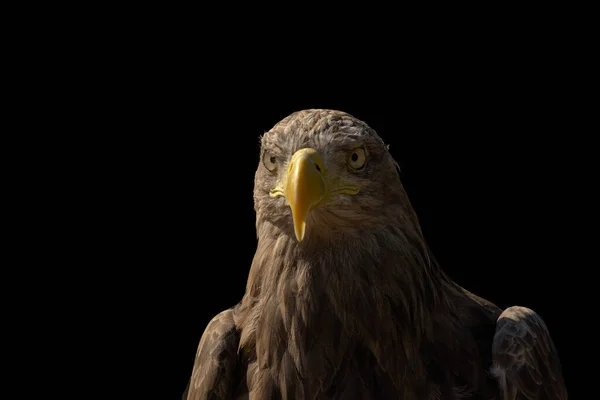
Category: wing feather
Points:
column 526, row 362
column 213, row 375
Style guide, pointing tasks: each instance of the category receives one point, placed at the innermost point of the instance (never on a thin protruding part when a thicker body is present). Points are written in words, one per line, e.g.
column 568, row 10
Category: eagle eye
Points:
column 270, row 161
column 357, row 159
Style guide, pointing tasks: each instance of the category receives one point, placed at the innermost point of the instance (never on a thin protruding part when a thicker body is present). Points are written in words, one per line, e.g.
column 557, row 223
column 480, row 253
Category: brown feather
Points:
column 359, row 309
column 525, row 359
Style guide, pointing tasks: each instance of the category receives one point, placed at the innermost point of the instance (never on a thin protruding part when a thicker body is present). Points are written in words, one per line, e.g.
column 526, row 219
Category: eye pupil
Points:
column 354, row 157
column 272, row 159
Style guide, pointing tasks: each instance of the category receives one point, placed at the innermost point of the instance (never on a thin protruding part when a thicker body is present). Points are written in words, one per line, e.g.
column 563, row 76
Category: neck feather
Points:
column 377, row 287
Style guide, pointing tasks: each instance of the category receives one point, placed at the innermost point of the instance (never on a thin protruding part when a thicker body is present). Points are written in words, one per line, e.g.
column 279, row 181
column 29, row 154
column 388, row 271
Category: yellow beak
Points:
column 304, row 186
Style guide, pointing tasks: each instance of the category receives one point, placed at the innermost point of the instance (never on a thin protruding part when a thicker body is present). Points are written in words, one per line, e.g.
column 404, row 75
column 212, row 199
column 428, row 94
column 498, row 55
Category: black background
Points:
column 482, row 130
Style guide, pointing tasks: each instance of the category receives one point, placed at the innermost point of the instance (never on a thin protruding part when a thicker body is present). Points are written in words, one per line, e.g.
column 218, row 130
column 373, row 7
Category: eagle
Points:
column 344, row 299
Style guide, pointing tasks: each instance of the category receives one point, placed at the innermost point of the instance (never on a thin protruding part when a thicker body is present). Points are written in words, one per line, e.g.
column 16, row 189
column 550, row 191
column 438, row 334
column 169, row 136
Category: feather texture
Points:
column 359, row 309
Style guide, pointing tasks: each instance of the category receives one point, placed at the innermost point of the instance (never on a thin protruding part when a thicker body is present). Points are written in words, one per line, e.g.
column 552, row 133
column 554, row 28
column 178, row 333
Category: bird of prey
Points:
column 344, row 299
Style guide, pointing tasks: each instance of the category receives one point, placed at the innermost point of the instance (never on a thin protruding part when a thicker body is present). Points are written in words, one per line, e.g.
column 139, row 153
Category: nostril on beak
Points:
column 318, row 168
